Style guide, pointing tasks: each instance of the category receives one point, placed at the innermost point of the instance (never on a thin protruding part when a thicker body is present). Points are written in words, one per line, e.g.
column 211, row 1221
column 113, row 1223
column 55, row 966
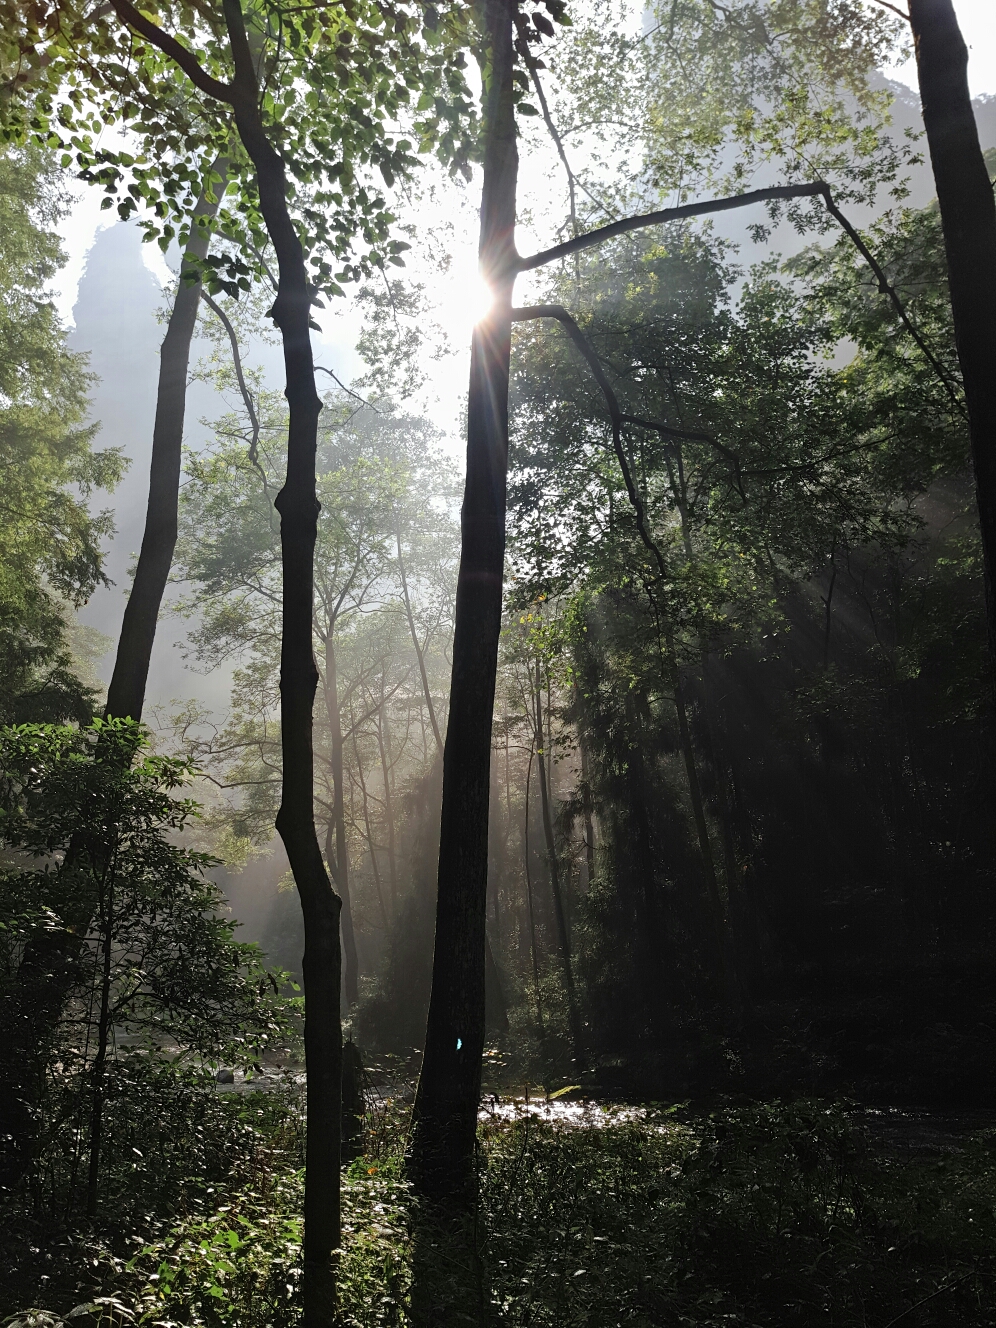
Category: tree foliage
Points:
column 51, row 558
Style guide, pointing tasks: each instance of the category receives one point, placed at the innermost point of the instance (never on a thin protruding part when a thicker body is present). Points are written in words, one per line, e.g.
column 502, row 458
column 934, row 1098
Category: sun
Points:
column 465, row 300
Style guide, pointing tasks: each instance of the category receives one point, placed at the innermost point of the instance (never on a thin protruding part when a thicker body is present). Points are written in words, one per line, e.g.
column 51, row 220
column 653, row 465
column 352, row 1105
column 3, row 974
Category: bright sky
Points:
column 977, row 19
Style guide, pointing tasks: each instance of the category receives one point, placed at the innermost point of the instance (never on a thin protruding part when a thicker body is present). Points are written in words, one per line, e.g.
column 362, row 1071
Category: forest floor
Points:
column 768, row 1215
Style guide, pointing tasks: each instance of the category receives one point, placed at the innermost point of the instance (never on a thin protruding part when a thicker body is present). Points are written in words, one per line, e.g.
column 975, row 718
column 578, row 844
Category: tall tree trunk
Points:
column 126, row 693
column 968, row 220
column 387, row 770
column 587, row 809
column 533, row 950
column 419, row 652
column 49, row 964
column 297, row 503
column 563, row 939
column 444, row 1120
column 365, row 800
column 339, row 861
column 98, row 1069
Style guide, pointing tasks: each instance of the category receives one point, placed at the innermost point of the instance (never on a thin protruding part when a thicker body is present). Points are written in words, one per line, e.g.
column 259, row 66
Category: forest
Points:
column 523, row 850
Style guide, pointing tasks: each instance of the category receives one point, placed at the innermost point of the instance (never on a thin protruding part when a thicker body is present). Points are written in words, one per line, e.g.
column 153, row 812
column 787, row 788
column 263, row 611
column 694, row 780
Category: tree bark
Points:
column 444, row 1120
column 563, row 939
column 126, row 693
column 968, row 220
column 297, row 503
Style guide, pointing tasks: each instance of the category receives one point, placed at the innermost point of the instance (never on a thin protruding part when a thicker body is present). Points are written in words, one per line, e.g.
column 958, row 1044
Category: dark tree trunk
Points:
column 444, row 1121
column 50, row 962
column 297, row 503
column 968, row 219
column 563, row 939
column 126, row 693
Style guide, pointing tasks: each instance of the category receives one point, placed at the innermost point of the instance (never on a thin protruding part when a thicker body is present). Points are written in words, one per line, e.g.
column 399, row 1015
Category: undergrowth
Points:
column 765, row 1216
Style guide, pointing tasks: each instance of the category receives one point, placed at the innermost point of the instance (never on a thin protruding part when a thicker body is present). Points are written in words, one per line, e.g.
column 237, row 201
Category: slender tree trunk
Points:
column 98, row 1069
column 387, row 771
column 126, row 693
column 563, row 939
column 49, row 962
column 368, row 827
column 533, row 950
column 297, row 503
column 419, row 653
column 653, row 948
column 444, row 1120
column 587, row 809
column 339, row 862
column 968, row 220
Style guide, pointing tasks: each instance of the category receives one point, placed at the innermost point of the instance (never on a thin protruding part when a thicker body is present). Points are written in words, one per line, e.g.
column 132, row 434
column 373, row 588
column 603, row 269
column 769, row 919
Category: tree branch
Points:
column 187, row 61
column 895, row 9
column 348, row 390
column 819, row 189
column 668, row 214
column 558, row 142
column 886, row 289
column 558, row 312
column 240, row 376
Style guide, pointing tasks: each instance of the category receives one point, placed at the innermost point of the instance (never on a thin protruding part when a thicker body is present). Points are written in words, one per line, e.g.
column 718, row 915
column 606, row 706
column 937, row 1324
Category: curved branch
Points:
column 240, row 376
column 320, row 368
column 187, row 61
column 668, row 214
column 558, row 142
column 886, row 289
column 558, row 312
column 819, row 189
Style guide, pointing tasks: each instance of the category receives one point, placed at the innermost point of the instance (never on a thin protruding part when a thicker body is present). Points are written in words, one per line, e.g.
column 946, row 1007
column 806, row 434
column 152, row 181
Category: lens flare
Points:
column 466, row 300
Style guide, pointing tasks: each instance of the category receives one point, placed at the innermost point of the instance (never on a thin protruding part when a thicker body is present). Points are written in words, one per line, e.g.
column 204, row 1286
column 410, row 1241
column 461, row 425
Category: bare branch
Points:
column 348, row 390
column 240, row 376
column 558, row 142
column 895, row 9
column 819, row 189
column 668, row 214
